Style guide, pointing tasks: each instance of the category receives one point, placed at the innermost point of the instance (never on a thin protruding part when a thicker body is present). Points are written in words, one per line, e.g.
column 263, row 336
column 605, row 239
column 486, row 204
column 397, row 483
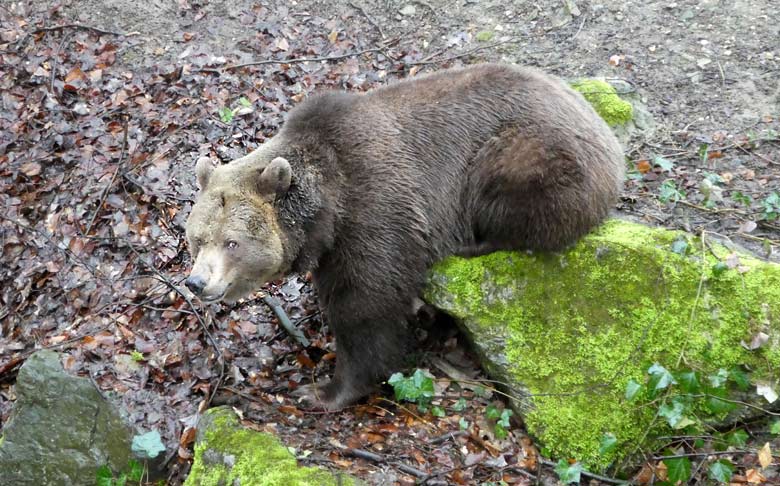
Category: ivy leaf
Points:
column 438, row 411
column 500, row 432
column 660, row 377
column 148, row 445
column 740, row 378
column 664, row 164
column 463, row 423
column 775, row 427
column 460, row 405
column 721, row 470
column 674, row 414
column 492, row 413
column 632, row 388
column 737, row 438
column 719, row 268
column 689, row 382
column 505, row 414
column 417, row 388
column 568, row 473
column 608, row 444
column 225, row 114
column 678, row 469
column 680, row 246
column 719, row 406
column 717, row 380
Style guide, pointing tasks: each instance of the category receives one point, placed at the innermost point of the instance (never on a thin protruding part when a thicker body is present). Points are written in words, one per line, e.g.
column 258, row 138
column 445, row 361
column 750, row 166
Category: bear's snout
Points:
column 195, row 283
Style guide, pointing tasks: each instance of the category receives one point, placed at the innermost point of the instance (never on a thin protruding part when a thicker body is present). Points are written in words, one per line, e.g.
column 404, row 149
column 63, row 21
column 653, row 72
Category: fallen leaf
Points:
column 747, row 227
column 643, row 166
column 188, row 436
column 333, row 36
column 767, row 392
column 31, row 169
column 765, row 456
column 754, row 476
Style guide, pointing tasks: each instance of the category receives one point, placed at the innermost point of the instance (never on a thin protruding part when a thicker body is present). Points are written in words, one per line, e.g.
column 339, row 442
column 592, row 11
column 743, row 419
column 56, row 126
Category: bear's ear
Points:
column 275, row 179
column 203, row 170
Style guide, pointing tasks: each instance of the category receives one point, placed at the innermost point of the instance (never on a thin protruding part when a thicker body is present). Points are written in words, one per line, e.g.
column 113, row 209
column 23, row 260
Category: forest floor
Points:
column 106, row 104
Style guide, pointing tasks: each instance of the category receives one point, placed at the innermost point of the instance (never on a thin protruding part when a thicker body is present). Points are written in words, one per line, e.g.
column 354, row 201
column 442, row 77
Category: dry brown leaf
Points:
column 333, row 36
column 765, row 456
column 644, row 166
column 754, row 476
column 75, row 74
column 31, row 169
column 188, row 436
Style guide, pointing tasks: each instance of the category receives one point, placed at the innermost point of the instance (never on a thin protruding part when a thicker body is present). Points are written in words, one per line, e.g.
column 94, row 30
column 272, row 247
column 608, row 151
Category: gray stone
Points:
column 61, row 429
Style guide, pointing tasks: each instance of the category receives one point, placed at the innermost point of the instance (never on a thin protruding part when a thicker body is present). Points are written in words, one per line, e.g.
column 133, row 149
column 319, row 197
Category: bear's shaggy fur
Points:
column 368, row 190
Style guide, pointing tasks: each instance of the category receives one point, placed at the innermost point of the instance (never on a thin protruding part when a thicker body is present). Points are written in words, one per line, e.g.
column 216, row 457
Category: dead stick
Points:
column 292, row 60
column 79, row 27
column 370, row 456
column 296, row 333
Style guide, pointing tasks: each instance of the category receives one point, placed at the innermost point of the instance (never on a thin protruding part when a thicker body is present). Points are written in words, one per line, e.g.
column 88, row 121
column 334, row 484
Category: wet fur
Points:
column 463, row 161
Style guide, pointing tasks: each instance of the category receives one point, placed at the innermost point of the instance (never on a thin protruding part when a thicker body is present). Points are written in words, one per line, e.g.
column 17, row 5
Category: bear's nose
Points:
column 195, row 283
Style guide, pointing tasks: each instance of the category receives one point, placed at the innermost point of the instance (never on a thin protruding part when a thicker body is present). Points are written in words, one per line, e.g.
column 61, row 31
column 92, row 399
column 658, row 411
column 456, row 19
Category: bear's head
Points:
column 233, row 231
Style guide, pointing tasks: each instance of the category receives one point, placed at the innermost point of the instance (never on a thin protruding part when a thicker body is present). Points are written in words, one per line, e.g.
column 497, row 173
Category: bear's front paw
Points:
column 325, row 396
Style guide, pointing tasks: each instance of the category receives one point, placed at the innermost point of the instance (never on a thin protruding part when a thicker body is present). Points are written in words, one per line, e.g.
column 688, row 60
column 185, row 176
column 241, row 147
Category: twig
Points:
column 449, row 435
column 54, row 63
column 294, row 60
column 80, row 27
column 700, row 454
column 368, row 17
column 296, row 333
column 589, row 474
column 462, row 54
column 111, row 182
column 370, row 456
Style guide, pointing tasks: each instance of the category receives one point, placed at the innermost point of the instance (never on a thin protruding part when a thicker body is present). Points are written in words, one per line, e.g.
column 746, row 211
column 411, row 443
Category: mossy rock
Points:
column 620, row 105
column 227, row 453
column 567, row 332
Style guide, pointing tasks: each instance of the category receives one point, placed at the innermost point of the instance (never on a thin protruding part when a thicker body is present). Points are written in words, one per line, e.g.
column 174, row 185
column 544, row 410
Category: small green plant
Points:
column 137, row 356
column 775, row 427
column 704, row 152
column 134, row 473
column 771, row 206
column 740, row 198
column 501, row 417
column 227, row 114
column 670, row 192
column 417, row 388
column 568, row 473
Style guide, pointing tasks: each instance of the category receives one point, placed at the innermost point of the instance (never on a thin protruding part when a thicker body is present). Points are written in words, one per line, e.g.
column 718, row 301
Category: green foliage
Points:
column 568, row 473
column 669, row 192
column 737, row 438
column 740, row 198
column 105, row 477
column 721, row 470
column 771, row 206
column 605, row 100
column 225, row 114
column 417, row 388
column 665, row 164
column 437, row 411
column 704, row 152
column 675, row 412
column 608, row 444
column 632, row 389
column 501, row 418
column 460, row 405
column 775, row 427
column 137, row 356
column 463, row 423
column 678, row 469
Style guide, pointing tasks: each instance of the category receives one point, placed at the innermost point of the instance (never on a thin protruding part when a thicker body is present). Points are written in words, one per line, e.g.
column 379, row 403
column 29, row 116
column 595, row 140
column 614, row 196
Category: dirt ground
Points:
column 706, row 70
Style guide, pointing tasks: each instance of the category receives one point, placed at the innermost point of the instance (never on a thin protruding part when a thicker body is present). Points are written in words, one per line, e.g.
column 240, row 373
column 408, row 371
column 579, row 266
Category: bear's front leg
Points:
column 371, row 338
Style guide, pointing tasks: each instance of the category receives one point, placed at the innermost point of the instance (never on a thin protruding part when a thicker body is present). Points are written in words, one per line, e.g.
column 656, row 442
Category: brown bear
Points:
column 368, row 190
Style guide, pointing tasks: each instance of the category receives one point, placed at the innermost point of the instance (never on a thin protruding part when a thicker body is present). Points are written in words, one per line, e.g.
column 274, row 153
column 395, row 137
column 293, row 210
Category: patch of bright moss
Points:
column 605, row 101
column 230, row 452
column 576, row 327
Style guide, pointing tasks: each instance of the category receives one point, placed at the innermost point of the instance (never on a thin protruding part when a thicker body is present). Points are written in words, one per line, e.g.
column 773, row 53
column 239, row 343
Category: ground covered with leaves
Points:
column 101, row 122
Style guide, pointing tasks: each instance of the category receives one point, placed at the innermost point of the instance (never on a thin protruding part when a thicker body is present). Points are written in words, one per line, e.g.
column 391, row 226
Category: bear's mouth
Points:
column 210, row 299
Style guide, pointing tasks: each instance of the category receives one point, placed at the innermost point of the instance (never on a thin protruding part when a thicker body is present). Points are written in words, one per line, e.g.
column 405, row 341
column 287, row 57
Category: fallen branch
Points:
column 373, row 457
column 294, row 60
column 296, row 333
column 449, row 435
column 81, row 27
column 108, row 187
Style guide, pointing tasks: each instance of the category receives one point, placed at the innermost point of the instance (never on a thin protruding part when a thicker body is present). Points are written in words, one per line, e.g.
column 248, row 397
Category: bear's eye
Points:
column 231, row 244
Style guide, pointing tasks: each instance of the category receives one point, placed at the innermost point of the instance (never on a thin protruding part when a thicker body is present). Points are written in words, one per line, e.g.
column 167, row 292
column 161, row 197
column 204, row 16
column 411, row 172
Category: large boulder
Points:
column 227, row 453
column 634, row 333
column 61, row 430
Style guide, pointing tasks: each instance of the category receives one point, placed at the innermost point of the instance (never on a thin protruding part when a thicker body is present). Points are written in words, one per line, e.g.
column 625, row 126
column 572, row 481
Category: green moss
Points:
column 577, row 326
column 230, row 452
column 605, row 101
